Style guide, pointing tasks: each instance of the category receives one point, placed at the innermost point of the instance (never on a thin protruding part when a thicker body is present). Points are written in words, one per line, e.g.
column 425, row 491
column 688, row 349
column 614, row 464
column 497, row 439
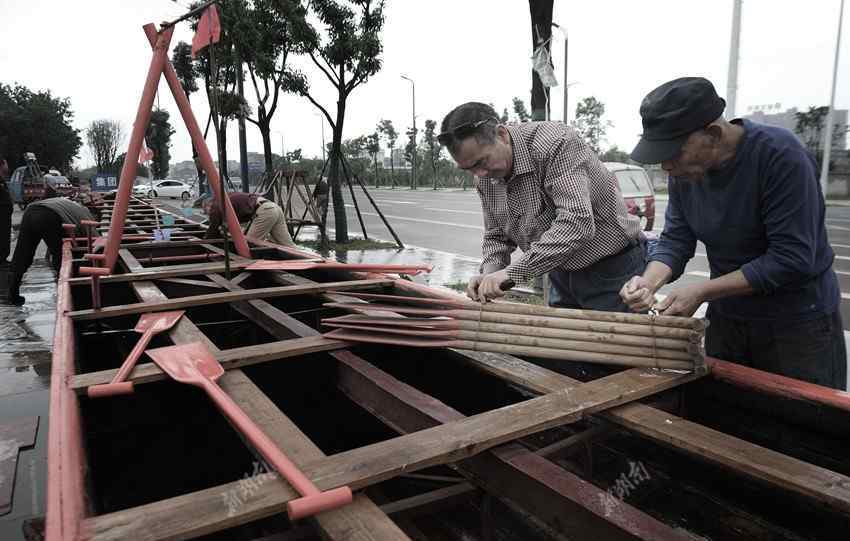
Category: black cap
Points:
column 672, row 112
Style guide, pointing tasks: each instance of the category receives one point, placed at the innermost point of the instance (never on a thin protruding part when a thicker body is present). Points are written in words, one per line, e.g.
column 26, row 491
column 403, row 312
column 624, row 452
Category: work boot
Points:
column 14, row 297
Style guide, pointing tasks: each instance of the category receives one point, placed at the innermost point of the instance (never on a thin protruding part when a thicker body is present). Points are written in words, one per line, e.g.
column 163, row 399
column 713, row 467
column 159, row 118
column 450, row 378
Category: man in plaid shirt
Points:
column 545, row 191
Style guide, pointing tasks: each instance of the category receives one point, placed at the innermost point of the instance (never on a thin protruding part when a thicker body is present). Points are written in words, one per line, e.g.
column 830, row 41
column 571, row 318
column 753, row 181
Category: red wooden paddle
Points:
column 194, row 364
column 148, row 325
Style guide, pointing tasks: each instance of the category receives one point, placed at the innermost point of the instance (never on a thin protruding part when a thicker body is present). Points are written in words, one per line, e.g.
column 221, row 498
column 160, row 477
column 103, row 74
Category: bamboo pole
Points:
column 542, row 311
column 530, row 341
column 466, row 325
column 529, row 351
column 531, row 321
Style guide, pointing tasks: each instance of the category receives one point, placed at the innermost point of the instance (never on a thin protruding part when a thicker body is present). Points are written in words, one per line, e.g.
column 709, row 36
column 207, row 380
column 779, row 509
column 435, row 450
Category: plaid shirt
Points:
column 561, row 206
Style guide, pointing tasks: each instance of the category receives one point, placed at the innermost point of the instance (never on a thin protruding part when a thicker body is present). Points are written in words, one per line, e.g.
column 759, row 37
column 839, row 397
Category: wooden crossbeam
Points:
column 229, row 359
column 749, row 459
column 374, row 463
column 157, row 273
column 224, row 297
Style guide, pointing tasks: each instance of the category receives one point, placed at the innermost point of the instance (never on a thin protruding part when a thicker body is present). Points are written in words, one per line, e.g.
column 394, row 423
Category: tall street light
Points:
column 566, row 47
column 827, row 146
column 282, row 149
column 413, row 156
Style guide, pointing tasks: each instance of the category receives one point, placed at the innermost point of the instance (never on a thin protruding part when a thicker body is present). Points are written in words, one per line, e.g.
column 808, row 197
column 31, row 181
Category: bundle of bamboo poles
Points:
column 518, row 329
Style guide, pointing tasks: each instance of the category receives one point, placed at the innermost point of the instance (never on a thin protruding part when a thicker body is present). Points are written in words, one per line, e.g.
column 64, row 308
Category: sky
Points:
column 95, row 53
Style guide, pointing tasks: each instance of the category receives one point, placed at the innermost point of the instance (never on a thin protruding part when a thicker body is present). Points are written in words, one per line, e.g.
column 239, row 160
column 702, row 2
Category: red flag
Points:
column 209, row 30
column 146, row 154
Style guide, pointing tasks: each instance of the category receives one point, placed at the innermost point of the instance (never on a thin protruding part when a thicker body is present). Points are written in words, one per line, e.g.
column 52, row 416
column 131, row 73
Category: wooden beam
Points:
column 157, row 273
column 205, row 511
column 229, row 359
column 749, row 459
column 360, row 520
column 221, row 298
column 192, row 283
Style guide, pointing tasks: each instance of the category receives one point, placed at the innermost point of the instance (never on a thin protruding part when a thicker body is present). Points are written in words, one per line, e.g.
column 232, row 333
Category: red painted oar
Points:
column 295, row 264
column 193, row 364
column 148, row 325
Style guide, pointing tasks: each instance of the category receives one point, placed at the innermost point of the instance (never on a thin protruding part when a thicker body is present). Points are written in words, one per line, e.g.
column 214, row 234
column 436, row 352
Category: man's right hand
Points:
column 638, row 294
column 472, row 287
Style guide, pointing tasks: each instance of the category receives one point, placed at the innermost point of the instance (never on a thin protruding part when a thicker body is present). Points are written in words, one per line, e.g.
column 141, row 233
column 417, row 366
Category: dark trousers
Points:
column 812, row 350
column 597, row 287
column 38, row 224
column 6, row 209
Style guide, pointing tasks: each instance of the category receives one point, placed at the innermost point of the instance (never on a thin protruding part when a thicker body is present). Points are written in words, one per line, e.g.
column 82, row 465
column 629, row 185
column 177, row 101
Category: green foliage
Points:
column 104, row 138
column 118, row 164
column 504, row 118
column 37, row 122
column 432, row 145
column 410, row 150
column 347, row 56
column 181, row 59
column 520, row 111
column 614, row 154
column 589, row 122
column 158, row 138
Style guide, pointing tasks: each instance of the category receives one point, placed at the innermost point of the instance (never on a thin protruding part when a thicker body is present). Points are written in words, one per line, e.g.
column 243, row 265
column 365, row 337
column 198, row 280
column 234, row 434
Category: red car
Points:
column 637, row 191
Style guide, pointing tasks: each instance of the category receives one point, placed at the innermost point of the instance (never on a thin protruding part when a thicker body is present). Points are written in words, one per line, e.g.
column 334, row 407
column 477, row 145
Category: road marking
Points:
column 838, row 219
column 700, row 273
column 838, row 227
column 842, row 272
column 839, row 245
column 393, row 201
column 475, row 212
column 435, row 222
column 845, row 295
column 844, row 257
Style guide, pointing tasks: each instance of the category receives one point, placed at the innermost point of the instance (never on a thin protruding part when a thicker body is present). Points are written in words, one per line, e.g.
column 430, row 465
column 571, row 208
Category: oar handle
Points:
column 507, row 284
column 119, row 385
column 313, row 500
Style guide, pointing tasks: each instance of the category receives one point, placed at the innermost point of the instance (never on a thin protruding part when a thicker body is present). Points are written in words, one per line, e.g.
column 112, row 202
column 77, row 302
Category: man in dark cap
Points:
column 749, row 192
column 544, row 190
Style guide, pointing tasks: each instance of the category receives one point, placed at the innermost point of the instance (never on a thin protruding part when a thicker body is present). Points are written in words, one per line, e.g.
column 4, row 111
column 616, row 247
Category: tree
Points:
column 386, row 128
column 504, row 118
column 187, row 74
column 348, row 58
column 589, row 123
column 373, row 147
column 118, row 164
column 158, row 138
column 614, row 154
column 104, row 138
column 433, row 146
column 520, row 111
column 37, row 122
column 264, row 34
column 410, row 152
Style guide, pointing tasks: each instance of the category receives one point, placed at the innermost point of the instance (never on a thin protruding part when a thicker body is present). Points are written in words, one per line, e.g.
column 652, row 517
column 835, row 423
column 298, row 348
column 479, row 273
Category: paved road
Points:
column 450, row 221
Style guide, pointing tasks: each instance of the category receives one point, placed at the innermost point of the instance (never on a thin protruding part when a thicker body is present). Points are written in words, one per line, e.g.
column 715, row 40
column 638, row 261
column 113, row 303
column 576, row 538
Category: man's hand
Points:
column 489, row 286
column 638, row 294
column 683, row 301
column 472, row 287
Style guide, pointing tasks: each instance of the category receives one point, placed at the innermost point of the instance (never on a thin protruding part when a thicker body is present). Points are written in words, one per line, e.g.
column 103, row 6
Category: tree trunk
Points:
column 375, row 159
column 265, row 132
column 392, row 167
column 340, row 220
column 541, row 26
column 225, row 173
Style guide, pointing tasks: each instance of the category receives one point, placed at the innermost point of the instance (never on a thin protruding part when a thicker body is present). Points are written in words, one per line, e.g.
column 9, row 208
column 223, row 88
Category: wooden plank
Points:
column 229, row 359
column 205, row 511
column 744, row 457
column 156, row 273
column 222, row 298
column 361, row 520
column 190, row 282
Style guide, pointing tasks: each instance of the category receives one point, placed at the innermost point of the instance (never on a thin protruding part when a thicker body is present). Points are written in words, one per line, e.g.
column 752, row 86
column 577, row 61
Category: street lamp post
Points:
column 282, row 148
column 413, row 156
column 827, row 146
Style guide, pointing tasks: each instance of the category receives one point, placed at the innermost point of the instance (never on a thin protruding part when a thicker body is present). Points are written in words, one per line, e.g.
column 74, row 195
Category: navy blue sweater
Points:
column 762, row 213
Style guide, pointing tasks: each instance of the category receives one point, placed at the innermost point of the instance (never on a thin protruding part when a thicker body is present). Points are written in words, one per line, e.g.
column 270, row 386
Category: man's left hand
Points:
column 490, row 286
column 683, row 301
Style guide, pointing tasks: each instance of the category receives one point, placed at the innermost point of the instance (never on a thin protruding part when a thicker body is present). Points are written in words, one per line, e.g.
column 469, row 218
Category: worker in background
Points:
column 6, row 209
column 265, row 218
column 43, row 221
column 750, row 193
column 543, row 189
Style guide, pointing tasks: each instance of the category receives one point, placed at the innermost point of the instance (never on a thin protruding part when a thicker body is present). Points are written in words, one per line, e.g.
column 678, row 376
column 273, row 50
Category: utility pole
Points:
column 566, row 57
column 243, row 148
column 413, row 157
column 827, row 146
column 734, row 46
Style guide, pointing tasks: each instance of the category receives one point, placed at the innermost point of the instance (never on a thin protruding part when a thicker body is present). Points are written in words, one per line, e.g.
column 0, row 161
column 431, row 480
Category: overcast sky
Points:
column 95, row 53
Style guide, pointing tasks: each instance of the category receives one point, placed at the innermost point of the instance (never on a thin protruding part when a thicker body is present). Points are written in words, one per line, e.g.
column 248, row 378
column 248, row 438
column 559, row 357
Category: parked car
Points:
column 637, row 191
column 171, row 188
column 141, row 189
